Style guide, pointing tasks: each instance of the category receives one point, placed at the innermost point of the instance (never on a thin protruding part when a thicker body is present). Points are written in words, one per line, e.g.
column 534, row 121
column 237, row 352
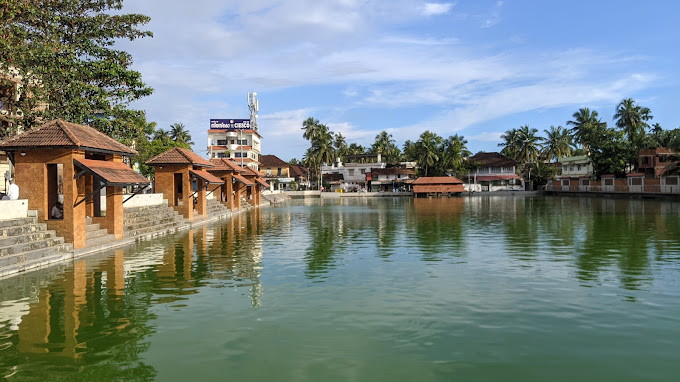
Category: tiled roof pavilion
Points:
column 59, row 134
column 177, row 155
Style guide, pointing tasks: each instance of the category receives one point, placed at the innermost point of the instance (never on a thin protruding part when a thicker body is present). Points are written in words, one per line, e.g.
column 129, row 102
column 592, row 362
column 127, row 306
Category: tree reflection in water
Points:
column 92, row 321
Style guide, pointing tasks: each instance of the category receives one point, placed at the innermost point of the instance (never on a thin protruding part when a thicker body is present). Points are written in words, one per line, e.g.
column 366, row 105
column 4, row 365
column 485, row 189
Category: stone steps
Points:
column 151, row 221
column 34, row 258
column 25, row 244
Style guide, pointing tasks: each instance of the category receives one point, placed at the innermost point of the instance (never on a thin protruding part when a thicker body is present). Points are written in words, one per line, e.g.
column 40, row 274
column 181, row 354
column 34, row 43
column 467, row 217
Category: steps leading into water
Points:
column 25, row 243
column 150, row 221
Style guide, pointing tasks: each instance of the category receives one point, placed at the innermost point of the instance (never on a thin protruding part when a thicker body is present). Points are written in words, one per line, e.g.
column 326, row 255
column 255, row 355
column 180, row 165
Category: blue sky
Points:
column 475, row 68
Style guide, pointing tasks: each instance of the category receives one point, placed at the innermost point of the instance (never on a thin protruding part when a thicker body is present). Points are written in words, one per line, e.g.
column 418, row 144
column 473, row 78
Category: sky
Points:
column 474, row 68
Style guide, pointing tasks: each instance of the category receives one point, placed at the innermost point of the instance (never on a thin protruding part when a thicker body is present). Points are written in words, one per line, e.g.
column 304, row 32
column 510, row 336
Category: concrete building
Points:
column 390, row 178
column 235, row 140
column 276, row 171
column 653, row 162
column 496, row 172
column 575, row 167
column 354, row 171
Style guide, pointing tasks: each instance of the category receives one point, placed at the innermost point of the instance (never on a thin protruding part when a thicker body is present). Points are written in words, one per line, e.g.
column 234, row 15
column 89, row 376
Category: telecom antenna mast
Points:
column 254, row 107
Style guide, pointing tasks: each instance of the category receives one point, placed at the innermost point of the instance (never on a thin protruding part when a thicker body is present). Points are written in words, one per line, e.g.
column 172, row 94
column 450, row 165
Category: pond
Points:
column 482, row 288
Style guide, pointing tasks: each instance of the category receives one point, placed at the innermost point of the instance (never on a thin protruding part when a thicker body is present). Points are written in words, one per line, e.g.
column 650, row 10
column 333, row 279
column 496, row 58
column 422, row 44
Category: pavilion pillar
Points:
column 89, row 203
column 237, row 195
column 229, row 184
column 201, row 203
column 74, row 217
column 113, row 221
column 187, row 207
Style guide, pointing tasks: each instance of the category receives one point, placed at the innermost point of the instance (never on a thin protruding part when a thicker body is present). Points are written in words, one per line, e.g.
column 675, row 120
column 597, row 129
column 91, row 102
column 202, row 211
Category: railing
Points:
column 633, row 189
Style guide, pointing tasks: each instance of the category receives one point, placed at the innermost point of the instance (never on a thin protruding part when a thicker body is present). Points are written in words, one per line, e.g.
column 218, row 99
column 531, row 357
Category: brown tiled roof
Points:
column 298, row 171
column 243, row 180
column 272, row 161
column 208, row 177
column 221, row 164
column 114, row 173
column 57, row 134
column 251, row 171
column 434, row 180
column 262, row 182
column 493, row 160
column 177, row 155
column 442, row 188
column 392, row 171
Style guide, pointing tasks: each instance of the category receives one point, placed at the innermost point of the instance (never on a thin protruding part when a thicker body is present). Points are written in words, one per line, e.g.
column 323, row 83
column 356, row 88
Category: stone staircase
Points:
column 149, row 221
column 215, row 208
column 25, row 243
column 95, row 235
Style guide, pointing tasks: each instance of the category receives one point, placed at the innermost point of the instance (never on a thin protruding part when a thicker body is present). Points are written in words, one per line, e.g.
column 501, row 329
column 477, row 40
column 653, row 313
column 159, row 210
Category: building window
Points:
column 363, row 171
column 579, row 168
column 495, row 169
column 231, row 141
column 220, row 155
column 221, row 142
column 571, row 168
column 237, row 155
column 278, row 171
column 645, row 160
column 269, row 171
column 350, row 172
column 212, row 142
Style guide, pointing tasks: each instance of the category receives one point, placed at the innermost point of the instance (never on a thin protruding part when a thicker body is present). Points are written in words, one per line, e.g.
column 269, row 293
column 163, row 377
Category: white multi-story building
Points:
column 576, row 166
column 233, row 138
column 353, row 174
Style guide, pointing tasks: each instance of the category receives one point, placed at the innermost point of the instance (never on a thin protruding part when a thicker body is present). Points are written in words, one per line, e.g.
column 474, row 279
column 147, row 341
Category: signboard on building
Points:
column 229, row 124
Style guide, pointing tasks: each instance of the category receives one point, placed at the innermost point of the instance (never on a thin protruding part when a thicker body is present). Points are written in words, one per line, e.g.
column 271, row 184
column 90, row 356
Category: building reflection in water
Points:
column 98, row 312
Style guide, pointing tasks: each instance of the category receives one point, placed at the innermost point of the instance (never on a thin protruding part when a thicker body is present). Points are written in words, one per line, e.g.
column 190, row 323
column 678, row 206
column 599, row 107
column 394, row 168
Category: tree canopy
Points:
column 63, row 52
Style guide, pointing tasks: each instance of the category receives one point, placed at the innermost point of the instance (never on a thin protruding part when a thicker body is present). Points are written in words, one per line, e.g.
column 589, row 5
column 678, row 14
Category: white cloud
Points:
column 434, row 9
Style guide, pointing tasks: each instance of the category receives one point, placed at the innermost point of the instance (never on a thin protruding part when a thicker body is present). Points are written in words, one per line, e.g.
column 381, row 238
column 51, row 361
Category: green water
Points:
column 469, row 289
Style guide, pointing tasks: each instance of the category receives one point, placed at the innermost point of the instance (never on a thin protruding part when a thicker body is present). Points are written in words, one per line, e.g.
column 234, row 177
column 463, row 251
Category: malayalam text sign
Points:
column 226, row 124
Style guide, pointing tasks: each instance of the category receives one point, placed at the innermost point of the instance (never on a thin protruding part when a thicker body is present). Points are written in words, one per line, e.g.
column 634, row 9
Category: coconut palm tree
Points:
column 632, row 119
column 557, row 143
column 179, row 134
column 454, row 151
column 528, row 144
column 427, row 150
column 585, row 123
column 340, row 145
column 510, row 142
column 311, row 128
column 162, row 136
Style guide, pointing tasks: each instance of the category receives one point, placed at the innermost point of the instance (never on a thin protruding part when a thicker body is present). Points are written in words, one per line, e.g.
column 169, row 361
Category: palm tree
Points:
column 179, row 134
column 340, row 145
column 162, row 136
column 454, row 151
column 528, row 146
column 557, row 143
column 632, row 119
column 585, row 123
column 427, row 150
column 311, row 128
column 510, row 140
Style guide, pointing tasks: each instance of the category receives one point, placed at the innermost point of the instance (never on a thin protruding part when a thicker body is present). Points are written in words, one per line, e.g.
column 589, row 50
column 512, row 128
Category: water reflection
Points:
column 98, row 312
column 95, row 318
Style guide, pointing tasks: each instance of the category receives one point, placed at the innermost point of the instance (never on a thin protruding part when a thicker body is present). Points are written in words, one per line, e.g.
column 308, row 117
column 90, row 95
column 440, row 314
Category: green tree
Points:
column 584, row 123
column 528, row 145
column 63, row 51
column 311, row 128
column 386, row 146
column 180, row 134
column 632, row 119
column 557, row 143
column 453, row 153
column 510, row 144
column 427, row 150
column 340, row 145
